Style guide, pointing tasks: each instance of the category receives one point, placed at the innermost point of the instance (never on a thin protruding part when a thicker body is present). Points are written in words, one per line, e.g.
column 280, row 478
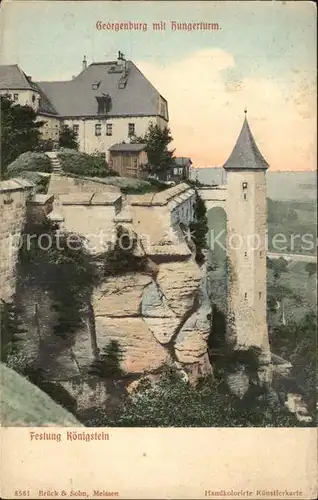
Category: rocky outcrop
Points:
column 142, row 352
column 157, row 320
column 160, row 316
column 159, row 313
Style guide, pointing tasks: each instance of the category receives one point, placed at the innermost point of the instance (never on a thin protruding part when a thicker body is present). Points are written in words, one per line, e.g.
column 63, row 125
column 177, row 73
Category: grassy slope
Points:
column 24, row 404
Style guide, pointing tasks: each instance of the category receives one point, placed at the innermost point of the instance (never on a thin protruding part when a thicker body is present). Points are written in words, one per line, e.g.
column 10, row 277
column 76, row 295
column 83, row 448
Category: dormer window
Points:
column 103, row 104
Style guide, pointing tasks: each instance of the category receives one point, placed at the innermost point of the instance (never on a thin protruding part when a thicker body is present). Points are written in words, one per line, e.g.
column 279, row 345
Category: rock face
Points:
column 156, row 320
column 159, row 314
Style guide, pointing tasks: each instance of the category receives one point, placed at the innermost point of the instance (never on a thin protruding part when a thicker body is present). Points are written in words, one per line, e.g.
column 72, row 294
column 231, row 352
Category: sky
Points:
column 263, row 57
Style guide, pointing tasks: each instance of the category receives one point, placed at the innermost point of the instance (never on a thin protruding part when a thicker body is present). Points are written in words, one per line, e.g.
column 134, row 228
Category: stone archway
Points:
column 217, row 223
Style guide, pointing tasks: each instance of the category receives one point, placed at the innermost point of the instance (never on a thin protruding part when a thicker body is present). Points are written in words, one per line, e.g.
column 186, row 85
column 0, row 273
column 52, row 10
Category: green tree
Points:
column 311, row 268
column 108, row 364
column 157, row 140
column 20, row 132
column 121, row 258
column 68, row 138
column 278, row 266
column 199, row 228
column 292, row 215
column 296, row 341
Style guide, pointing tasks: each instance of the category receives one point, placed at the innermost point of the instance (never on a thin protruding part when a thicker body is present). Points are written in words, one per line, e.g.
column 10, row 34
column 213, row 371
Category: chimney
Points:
column 84, row 63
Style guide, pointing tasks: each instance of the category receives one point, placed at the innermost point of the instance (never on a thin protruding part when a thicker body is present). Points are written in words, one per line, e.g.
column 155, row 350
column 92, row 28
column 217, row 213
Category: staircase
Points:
column 55, row 163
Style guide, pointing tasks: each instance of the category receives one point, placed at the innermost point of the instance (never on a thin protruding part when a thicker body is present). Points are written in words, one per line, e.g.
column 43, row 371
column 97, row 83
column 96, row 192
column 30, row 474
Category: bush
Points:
column 122, row 259
column 108, row 366
column 199, row 229
column 172, row 402
column 83, row 164
column 35, row 162
column 41, row 182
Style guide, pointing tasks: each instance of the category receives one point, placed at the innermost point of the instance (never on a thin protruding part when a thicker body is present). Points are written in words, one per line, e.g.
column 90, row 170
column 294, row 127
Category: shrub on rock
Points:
column 74, row 162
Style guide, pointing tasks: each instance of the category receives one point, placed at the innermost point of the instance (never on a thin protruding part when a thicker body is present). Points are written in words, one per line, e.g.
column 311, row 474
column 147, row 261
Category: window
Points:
column 109, row 129
column 126, row 160
column 103, row 104
column 15, row 97
column 76, row 129
column 244, row 187
column 245, row 254
column 262, row 253
column 259, row 295
column 131, row 129
column 245, row 296
column 33, row 97
column 98, row 129
column 8, row 95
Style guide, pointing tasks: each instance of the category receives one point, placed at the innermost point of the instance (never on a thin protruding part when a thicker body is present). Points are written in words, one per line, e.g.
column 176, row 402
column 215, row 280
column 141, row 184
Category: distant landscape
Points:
column 283, row 186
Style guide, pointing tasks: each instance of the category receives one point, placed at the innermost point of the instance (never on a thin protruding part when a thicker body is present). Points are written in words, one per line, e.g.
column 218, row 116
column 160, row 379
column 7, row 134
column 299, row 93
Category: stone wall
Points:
column 67, row 184
column 13, row 197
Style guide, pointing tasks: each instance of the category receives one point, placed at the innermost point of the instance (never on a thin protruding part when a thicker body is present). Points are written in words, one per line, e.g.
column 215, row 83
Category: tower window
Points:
column 259, row 295
column 245, row 197
column 245, row 254
column 245, row 295
column 244, row 185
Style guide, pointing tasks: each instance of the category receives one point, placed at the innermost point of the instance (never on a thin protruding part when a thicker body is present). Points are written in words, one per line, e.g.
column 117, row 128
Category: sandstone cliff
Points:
column 160, row 315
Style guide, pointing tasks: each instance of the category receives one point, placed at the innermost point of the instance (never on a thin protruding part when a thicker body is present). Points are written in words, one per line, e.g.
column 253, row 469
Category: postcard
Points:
column 158, row 264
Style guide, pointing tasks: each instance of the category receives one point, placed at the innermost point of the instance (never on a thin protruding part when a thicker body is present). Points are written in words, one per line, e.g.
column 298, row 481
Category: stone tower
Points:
column 246, row 245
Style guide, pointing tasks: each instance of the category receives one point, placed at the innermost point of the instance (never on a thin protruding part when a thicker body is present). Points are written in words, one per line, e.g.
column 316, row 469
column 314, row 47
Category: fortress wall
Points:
column 13, row 197
column 63, row 184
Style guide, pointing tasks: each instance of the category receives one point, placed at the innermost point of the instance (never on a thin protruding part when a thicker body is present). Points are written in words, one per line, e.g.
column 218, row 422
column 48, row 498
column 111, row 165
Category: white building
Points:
column 22, row 90
column 107, row 103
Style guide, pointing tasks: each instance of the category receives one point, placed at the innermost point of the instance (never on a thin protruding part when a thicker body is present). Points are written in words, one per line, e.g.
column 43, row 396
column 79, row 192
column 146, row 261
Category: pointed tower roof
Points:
column 246, row 155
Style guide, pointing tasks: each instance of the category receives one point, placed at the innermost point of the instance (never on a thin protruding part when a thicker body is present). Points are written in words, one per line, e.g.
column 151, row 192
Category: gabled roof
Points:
column 183, row 161
column 77, row 97
column 132, row 147
column 246, row 155
column 13, row 78
column 46, row 106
